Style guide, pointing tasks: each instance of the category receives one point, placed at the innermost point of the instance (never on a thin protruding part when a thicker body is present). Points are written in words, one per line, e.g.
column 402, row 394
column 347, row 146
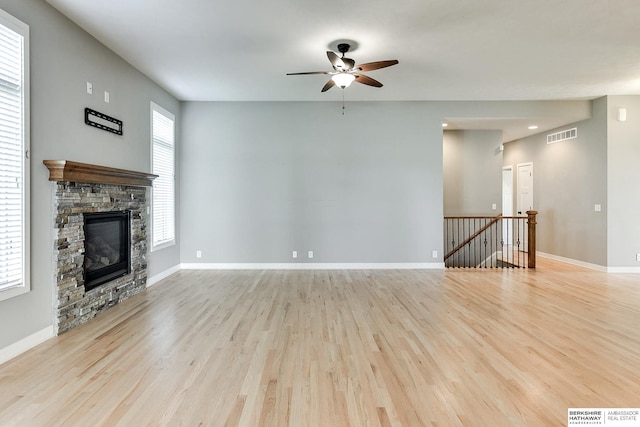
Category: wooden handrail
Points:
column 476, row 234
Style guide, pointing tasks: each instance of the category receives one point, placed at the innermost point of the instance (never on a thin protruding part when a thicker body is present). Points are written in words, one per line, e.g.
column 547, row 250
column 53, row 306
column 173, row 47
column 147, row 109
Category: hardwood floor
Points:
column 339, row 348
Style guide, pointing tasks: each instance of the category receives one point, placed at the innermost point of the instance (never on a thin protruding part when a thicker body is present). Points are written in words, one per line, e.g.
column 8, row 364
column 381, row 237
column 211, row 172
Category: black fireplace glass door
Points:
column 106, row 247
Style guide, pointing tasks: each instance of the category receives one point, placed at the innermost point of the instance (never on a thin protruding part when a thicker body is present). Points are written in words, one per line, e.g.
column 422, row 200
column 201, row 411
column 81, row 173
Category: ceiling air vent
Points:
column 562, row 136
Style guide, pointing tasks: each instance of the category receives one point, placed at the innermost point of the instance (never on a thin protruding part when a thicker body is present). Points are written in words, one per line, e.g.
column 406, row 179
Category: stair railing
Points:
column 490, row 241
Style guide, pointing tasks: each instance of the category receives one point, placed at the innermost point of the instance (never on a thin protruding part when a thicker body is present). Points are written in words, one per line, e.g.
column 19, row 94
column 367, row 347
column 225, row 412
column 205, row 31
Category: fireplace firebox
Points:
column 107, row 247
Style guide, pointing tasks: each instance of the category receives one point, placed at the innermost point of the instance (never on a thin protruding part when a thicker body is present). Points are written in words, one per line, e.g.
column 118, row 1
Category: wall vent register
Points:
column 562, row 136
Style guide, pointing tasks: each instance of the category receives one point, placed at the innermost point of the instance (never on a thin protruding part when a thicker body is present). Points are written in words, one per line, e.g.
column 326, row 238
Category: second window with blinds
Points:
column 163, row 165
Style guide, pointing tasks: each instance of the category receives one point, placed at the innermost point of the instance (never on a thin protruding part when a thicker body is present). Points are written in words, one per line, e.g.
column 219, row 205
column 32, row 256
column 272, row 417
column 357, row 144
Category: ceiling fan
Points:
column 345, row 70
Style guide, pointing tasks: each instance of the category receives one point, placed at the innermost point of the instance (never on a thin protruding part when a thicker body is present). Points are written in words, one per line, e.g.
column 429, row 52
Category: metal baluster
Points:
column 518, row 231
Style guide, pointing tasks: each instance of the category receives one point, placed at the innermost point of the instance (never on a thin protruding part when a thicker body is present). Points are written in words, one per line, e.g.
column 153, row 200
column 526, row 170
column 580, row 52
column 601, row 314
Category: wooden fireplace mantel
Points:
column 66, row 170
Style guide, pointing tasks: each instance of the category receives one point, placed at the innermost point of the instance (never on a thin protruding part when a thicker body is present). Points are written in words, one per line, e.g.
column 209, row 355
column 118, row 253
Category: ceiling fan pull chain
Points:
column 343, row 102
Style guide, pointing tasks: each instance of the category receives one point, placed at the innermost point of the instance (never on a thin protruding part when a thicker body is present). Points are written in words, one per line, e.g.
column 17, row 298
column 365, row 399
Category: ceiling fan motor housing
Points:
column 343, row 48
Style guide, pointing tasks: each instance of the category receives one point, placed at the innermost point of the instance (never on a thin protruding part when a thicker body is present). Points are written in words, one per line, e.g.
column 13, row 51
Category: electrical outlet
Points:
column 310, row 254
column 89, row 88
column 294, row 254
column 198, row 254
column 637, row 257
column 494, row 207
column 597, row 208
column 434, row 254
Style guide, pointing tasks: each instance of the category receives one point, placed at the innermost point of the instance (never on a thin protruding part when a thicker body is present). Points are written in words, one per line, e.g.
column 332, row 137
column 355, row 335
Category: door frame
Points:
column 519, row 208
column 524, row 235
column 507, row 204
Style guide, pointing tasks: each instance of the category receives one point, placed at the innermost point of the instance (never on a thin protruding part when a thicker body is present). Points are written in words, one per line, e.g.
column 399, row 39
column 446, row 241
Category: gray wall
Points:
column 262, row 179
column 472, row 166
column 623, row 157
column 569, row 178
column 63, row 59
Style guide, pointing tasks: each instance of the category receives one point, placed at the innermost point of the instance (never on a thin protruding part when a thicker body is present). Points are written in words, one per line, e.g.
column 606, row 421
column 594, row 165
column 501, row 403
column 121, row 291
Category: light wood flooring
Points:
column 341, row 348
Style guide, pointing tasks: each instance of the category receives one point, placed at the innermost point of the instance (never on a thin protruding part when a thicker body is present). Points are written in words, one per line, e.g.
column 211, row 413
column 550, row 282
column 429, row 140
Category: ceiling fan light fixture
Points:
column 345, row 71
column 343, row 80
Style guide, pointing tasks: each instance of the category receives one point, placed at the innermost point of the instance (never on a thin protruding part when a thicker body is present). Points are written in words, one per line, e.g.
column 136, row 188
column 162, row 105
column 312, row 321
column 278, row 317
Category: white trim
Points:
column 597, row 267
column 573, row 262
column 312, row 266
column 624, row 270
column 517, row 188
column 162, row 245
column 17, row 26
column 25, row 344
column 160, row 276
column 172, row 117
column 8, row 293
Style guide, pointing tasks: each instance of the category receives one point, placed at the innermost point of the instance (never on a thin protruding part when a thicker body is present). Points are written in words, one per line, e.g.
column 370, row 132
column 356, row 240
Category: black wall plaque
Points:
column 102, row 121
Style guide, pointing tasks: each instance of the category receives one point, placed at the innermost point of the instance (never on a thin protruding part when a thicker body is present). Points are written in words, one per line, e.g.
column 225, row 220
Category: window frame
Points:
column 22, row 29
column 169, row 115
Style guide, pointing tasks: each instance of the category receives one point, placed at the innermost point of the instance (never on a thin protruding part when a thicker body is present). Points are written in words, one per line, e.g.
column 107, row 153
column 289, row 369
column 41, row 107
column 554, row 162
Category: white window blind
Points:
column 14, row 249
column 163, row 165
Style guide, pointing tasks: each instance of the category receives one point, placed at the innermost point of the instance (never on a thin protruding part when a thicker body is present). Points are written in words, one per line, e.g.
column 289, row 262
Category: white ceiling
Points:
column 241, row 50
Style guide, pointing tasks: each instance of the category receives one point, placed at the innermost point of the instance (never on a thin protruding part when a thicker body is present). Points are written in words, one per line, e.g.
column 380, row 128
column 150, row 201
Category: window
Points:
column 14, row 165
column 162, row 164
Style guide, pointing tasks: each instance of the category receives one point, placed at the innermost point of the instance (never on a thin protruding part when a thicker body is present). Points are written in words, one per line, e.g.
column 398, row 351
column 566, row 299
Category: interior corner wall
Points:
column 569, row 179
column 63, row 59
column 262, row 179
column 623, row 155
column 472, row 172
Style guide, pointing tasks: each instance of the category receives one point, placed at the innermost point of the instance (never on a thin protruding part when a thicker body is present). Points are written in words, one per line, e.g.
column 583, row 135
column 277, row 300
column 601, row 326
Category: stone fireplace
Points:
column 86, row 199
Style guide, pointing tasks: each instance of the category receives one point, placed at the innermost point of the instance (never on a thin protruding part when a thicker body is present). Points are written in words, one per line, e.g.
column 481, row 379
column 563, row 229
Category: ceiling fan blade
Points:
column 348, row 63
column 308, row 72
column 366, row 80
column 335, row 61
column 370, row 66
column 328, row 86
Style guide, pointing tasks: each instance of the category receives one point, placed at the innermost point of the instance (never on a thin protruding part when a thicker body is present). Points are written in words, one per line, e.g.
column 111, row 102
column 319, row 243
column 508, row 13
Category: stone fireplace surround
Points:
column 81, row 188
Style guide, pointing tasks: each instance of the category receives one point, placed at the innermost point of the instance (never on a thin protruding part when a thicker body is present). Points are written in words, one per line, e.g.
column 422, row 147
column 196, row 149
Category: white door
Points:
column 525, row 197
column 507, row 204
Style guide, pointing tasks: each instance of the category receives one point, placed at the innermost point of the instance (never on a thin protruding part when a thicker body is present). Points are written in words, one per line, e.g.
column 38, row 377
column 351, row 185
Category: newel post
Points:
column 532, row 238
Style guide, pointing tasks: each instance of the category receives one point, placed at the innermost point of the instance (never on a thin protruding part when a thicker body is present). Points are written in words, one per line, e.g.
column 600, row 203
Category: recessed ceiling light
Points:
column 532, row 127
column 444, row 125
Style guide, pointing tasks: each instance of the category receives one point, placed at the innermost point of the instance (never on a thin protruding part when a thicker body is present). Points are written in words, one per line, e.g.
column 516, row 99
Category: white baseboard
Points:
column 158, row 277
column 312, row 266
column 623, row 270
column 25, row 344
column 573, row 262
